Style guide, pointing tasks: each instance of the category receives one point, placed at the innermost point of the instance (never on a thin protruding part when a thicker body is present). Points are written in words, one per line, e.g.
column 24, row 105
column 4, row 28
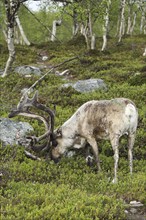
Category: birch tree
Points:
column 122, row 20
column 106, row 25
column 142, row 8
column 11, row 8
column 55, row 24
column 144, row 53
column 23, row 35
column 75, row 22
column 130, row 13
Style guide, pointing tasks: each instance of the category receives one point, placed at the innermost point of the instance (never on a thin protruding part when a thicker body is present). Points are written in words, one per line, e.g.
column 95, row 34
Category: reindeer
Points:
column 103, row 119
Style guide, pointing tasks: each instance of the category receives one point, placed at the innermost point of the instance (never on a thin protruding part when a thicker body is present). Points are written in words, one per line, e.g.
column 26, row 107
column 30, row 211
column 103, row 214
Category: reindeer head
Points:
column 56, row 154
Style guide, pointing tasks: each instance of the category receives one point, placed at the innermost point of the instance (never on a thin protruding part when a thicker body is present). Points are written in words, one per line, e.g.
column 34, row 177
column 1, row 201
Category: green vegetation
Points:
column 34, row 190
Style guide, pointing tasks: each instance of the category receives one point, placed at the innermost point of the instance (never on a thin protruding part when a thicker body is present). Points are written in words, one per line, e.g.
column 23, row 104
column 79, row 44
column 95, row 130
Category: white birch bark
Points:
column 16, row 35
column 117, row 27
column 11, row 8
column 11, row 48
column 106, row 25
column 86, row 31
column 93, row 42
column 82, row 29
column 55, row 24
column 26, row 41
column 122, row 20
column 129, row 17
column 134, row 22
column 144, row 54
column 90, row 23
column 91, row 34
column 143, row 21
column 75, row 23
column 75, row 29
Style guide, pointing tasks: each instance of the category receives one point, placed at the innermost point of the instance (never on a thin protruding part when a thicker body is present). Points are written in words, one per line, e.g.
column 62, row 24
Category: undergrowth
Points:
column 71, row 190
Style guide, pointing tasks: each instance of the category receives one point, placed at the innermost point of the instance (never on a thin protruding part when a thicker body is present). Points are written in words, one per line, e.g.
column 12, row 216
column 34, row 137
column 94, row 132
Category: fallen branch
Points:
column 42, row 77
column 29, row 155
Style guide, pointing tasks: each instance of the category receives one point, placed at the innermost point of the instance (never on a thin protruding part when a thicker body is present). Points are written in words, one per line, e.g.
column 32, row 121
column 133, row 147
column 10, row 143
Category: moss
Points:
column 138, row 79
column 70, row 189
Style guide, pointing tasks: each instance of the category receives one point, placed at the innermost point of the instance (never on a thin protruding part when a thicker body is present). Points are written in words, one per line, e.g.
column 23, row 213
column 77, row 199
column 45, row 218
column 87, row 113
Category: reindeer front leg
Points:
column 93, row 143
column 115, row 145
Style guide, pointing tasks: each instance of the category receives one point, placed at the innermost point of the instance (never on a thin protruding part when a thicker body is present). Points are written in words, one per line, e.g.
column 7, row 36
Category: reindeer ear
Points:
column 59, row 132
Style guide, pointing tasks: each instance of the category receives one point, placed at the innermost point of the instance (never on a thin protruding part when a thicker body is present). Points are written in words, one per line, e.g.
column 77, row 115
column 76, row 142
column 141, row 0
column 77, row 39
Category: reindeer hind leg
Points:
column 131, row 139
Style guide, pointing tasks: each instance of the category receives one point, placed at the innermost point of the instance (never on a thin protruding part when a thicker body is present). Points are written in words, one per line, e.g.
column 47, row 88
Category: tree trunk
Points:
column 75, row 23
column 93, row 42
column 143, row 21
column 91, row 34
column 134, row 22
column 86, row 31
column 122, row 20
column 11, row 10
column 11, row 48
column 106, row 25
column 144, row 54
column 26, row 41
column 55, row 24
column 90, row 23
column 129, row 17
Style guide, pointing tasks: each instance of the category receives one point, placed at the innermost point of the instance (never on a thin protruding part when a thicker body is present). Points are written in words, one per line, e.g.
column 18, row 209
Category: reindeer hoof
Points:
column 89, row 160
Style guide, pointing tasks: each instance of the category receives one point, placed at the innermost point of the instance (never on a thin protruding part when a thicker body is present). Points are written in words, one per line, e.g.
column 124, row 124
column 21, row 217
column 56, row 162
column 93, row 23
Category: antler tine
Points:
column 35, row 116
column 26, row 102
column 49, row 111
column 22, row 109
column 35, row 140
column 34, row 102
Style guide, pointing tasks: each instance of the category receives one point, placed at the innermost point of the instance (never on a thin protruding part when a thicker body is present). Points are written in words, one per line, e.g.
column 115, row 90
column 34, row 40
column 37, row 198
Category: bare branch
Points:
column 29, row 155
column 58, row 65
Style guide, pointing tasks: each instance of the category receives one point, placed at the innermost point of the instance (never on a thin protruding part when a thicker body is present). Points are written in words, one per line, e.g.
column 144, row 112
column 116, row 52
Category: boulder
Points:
column 12, row 132
column 28, row 70
column 88, row 85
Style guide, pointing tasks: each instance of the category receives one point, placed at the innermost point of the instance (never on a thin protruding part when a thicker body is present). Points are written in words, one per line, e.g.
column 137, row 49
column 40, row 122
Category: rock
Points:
column 11, row 132
column 88, row 85
column 28, row 70
column 126, row 212
column 44, row 58
column 136, row 204
column 133, row 210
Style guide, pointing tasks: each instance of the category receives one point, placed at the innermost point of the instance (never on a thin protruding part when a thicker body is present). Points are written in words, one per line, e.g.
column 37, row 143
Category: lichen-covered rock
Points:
column 11, row 132
column 88, row 85
column 28, row 70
